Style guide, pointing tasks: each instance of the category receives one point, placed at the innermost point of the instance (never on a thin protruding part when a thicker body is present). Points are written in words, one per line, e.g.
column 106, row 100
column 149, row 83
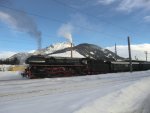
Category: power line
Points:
column 43, row 34
column 64, row 4
column 57, row 20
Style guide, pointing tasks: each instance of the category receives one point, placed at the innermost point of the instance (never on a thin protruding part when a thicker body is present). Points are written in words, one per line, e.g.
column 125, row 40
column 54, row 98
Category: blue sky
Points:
column 100, row 22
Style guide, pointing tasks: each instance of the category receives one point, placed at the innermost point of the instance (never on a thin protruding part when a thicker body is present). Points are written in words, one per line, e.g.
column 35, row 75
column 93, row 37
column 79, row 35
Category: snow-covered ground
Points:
column 4, row 67
column 10, row 75
column 105, row 93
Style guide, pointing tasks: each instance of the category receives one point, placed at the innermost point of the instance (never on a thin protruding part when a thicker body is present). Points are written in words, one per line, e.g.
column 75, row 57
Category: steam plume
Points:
column 66, row 31
column 21, row 22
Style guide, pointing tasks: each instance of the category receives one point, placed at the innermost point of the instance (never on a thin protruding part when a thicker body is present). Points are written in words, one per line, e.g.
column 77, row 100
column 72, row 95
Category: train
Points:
column 41, row 67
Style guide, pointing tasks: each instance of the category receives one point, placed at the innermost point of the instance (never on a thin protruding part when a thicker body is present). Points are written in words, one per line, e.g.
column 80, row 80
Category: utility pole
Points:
column 115, row 51
column 146, row 55
column 129, row 49
column 71, row 50
column 136, row 58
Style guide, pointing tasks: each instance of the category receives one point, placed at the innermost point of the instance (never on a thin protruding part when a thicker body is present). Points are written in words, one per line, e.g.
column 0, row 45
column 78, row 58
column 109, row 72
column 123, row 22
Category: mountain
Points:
column 90, row 51
column 52, row 48
column 96, row 52
column 80, row 51
column 21, row 56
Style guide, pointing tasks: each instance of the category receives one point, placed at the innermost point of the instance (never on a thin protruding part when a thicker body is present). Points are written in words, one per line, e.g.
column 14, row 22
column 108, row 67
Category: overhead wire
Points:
column 106, row 35
column 90, row 15
column 58, row 20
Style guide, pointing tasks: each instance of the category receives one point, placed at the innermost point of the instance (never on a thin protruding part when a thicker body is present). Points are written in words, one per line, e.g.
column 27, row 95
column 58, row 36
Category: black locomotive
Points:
column 40, row 66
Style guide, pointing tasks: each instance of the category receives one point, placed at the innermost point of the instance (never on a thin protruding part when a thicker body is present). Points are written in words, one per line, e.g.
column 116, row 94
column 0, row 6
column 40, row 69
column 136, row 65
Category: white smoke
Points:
column 78, row 23
column 21, row 22
column 66, row 31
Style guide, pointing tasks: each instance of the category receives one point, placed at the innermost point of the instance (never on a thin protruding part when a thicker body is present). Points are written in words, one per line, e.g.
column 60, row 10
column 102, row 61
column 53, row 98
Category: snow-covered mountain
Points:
column 96, row 52
column 90, row 51
column 52, row 48
column 63, row 50
column 21, row 56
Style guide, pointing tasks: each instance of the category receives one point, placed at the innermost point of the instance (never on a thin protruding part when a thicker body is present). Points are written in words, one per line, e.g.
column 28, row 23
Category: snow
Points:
column 53, row 48
column 8, row 75
column 68, row 54
column 105, row 93
column 91, row 52
column 125, row 100
column 4, row 67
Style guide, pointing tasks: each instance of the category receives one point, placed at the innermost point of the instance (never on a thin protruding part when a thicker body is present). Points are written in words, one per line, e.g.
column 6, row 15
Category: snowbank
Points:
column 10, row 75
column 105, row 93
column 133, row 99
column 4, row 67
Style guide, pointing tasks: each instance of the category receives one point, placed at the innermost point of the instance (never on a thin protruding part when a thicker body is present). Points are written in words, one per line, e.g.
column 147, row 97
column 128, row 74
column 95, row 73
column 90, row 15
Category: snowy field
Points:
column 105, row 93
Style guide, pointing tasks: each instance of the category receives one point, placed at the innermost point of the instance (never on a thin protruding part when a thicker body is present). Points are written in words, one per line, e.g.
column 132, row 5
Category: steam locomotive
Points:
column 40, row 66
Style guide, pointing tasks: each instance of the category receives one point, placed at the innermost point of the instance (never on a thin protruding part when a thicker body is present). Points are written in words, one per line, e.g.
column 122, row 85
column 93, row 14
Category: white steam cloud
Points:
column 66, row 31
column 21, row 22
column 76, row 24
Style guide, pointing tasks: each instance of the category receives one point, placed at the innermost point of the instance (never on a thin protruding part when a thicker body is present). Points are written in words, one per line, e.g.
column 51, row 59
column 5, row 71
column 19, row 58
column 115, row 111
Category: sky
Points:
column 27, row 25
